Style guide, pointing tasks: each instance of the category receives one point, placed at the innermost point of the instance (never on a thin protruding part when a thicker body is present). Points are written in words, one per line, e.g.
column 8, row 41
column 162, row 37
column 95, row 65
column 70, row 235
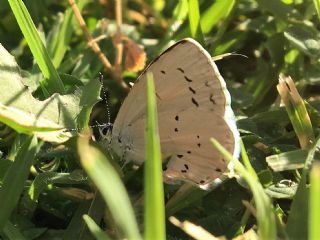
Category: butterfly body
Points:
column 193, row 105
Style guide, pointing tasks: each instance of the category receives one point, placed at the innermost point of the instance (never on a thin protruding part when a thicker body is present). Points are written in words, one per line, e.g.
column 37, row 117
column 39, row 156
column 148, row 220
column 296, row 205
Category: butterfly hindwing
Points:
column 193, row 106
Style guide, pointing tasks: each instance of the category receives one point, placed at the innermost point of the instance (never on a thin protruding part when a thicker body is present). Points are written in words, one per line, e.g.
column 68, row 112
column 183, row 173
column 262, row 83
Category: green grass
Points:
column 63, row 185
column 154, row 219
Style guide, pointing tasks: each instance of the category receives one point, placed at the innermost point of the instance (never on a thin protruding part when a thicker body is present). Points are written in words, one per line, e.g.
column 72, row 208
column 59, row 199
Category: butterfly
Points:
column 193, row 105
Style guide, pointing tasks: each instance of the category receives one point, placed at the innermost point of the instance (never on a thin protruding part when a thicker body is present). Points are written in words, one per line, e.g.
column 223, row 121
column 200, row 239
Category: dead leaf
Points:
column 135, row 56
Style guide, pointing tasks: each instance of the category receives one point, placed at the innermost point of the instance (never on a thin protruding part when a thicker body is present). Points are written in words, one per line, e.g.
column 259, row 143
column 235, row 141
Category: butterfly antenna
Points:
column 222, row 56
column 106, row 98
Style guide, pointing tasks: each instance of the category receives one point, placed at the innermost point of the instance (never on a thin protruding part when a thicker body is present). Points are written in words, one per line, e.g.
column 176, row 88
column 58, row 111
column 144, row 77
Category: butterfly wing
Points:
column 193, row 106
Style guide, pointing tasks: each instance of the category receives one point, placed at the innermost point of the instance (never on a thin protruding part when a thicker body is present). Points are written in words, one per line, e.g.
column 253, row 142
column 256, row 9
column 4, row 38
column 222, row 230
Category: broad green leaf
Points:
column 287, row 160
column 42, row 182
column 278, row 9
column 304, row 37
column 17, row 174
column 283, row 189
column 154, row 214
column 46, row 119
column 109, row 183
column 52, row 83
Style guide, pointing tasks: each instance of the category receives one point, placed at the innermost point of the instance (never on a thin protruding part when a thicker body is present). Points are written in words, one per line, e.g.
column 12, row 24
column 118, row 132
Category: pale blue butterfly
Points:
column 193, row 105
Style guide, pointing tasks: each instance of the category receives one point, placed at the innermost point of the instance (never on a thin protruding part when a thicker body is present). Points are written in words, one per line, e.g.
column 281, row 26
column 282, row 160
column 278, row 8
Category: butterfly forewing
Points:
column 193, row 106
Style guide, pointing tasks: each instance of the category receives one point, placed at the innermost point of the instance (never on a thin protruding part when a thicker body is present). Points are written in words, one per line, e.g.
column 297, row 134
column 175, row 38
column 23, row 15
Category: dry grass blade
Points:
column 193, row 230
column 117, row 38
column 296, row 110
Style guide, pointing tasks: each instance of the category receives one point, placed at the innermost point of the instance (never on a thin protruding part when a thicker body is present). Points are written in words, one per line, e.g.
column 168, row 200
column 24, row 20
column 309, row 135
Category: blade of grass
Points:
column 178, row 18
column 219, row 10
column 246, row 161
column 194, row 21
column 265, row 214
column 14, row 180
column 314, row 207
column 296, row 110
column 95, row 229
column 52, row 83
column 193, row 230
column 296, row 227
column 154, row 214
column 301, row 123
column 317, row 7
column 58, row 47
column 107, row 180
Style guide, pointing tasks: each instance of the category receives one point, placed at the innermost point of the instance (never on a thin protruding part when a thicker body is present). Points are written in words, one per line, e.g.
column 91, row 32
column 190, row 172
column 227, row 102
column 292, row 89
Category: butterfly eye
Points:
column 105, row 131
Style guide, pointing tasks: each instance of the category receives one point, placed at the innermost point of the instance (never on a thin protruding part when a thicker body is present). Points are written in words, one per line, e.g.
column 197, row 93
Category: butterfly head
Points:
column 105, row 132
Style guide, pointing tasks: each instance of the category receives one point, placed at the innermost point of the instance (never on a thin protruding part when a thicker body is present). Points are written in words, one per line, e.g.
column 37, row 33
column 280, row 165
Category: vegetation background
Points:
column 49, row 70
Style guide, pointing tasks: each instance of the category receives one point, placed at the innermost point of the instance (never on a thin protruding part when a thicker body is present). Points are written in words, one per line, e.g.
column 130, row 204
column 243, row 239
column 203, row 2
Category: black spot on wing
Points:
column 163, row 72
column 180, row 69
column 183, row 171
column 195, row 102
column 218, row 170
column 189, row 152
column 176, row 130
column 202, row 182
column 192, row 90
column 187, row 79
column 179, row 155
column 199, row 144
column 186, row 166
column 211, row 99
column 176, row 118
column 158, row 96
